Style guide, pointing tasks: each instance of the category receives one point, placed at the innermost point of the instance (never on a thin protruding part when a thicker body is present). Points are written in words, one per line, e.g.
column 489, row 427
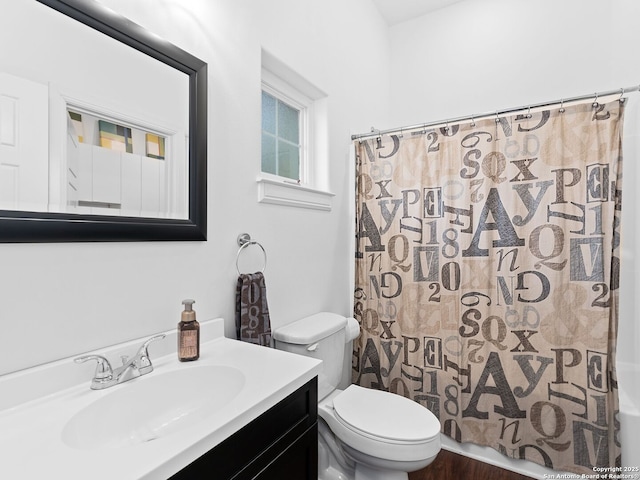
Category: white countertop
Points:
column 31, row 446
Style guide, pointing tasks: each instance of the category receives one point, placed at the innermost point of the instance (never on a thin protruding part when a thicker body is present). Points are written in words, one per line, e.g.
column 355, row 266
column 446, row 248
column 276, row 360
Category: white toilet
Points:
column 364, row 434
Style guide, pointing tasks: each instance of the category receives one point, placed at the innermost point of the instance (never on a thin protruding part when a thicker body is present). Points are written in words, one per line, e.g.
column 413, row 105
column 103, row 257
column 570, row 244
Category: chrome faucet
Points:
column 136, row 366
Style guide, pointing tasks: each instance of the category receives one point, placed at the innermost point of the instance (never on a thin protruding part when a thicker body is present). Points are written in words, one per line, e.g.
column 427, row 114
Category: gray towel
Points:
column 252, row 313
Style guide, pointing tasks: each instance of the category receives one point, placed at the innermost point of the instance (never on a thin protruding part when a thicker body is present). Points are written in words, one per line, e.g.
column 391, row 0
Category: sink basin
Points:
column 153, row 406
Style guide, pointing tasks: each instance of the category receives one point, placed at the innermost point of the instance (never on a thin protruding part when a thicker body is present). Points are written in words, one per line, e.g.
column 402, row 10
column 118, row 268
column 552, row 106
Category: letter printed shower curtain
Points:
column 487, row 279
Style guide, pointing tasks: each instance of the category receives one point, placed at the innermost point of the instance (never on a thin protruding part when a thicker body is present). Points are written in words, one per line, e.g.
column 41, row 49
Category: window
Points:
column 282, row 136
column 294, row 159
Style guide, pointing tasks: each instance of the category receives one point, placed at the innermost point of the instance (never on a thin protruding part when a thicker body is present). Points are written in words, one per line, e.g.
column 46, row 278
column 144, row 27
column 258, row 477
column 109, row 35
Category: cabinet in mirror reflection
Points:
column 120, row 170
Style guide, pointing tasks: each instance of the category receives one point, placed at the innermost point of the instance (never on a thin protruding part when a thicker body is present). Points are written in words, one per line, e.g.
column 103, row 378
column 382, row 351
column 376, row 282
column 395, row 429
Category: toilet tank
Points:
column 320, row 336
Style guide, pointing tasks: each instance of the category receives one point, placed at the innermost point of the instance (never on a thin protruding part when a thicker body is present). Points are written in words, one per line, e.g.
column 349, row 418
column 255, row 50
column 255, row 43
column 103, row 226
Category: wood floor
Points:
column 451, row 466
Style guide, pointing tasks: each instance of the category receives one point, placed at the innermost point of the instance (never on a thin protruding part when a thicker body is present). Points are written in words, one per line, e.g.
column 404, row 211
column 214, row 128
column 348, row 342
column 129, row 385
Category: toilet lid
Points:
column 385, row 415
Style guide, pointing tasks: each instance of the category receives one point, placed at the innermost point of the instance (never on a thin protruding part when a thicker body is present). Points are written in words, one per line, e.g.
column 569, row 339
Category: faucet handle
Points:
column 142, row 357
column 103, row 367
column 143, row 349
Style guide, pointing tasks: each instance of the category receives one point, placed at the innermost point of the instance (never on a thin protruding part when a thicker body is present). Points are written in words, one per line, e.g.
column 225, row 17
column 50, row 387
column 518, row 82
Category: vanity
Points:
column 239, row 412
column 281, row 443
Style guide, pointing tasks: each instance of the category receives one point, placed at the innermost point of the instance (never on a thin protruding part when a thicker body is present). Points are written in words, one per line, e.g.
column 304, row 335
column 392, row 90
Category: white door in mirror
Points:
column 24, row 144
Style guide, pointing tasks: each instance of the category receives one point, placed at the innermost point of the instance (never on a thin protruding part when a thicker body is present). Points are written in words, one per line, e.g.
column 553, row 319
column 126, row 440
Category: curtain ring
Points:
column 446, row 126
column 473, row 122
column 528, row 112
column 561, row 106
column 497, row 118
column 621, row 99
column 595, row 103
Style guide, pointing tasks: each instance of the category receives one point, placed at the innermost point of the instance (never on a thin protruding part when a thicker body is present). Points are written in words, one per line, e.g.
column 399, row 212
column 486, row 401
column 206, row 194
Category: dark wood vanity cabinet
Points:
column 282, row 443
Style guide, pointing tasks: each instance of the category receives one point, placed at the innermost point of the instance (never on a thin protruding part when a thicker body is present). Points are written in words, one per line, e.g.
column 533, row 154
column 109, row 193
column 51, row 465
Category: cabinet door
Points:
column 84, row 182
column 163, row 209
column 73, row 165
column 299, row 461
column 131, row 183
column 150, row 201
column 106, row 176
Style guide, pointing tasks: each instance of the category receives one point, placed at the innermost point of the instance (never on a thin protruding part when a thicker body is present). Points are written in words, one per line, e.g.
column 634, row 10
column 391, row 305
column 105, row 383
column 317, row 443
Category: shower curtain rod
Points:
column 473, row 118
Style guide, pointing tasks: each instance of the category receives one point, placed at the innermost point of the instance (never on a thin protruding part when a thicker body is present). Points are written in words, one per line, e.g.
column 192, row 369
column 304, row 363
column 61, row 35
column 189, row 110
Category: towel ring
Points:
column 244, row 240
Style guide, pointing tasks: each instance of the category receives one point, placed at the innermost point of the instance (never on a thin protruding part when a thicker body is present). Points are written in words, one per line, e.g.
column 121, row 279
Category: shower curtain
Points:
column 487, row 265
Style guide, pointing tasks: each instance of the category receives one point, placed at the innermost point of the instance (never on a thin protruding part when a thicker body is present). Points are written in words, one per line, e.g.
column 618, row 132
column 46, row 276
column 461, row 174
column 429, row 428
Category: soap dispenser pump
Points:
column 188, row 334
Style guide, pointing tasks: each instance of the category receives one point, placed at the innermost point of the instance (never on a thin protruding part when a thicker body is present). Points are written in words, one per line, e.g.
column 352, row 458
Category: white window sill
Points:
column 278, row 192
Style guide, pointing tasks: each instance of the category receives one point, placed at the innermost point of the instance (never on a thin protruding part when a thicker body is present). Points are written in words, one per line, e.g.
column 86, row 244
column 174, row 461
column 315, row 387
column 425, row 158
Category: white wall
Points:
column 57, row 300
column 485, row 55
column 479, row 56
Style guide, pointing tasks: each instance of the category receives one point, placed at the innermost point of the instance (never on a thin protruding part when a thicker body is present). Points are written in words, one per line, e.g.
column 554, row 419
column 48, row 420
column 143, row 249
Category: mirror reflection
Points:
column 88, row 125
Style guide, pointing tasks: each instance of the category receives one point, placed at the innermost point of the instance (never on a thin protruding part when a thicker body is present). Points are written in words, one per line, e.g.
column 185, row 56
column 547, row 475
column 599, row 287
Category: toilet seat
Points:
column 385, row 417
column 382, row 424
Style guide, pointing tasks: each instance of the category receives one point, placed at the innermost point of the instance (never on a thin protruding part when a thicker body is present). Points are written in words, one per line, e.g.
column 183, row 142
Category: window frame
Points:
column 289, row 95
column 312, row 190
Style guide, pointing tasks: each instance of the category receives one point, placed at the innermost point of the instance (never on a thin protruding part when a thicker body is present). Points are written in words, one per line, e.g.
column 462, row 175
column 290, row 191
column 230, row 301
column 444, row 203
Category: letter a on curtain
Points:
column 486, row 282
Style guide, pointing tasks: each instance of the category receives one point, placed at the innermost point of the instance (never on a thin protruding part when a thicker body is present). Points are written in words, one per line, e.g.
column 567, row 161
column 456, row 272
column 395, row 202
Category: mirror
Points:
column 103, row 129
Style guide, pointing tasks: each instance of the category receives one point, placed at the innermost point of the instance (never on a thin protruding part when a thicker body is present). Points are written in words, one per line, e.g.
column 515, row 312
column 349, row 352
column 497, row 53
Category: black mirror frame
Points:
column 39, row 227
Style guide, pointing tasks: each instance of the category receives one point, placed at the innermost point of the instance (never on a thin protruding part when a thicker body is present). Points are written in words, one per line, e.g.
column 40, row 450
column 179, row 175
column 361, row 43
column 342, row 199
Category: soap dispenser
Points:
column 188, row 334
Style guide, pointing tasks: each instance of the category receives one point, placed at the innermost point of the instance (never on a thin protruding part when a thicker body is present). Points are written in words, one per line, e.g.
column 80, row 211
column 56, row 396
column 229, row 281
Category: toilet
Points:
column 363, row 434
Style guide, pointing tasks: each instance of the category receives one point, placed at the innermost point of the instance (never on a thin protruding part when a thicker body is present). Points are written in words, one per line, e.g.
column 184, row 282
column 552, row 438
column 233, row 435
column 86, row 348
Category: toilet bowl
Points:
column 384, row 434
column 364, row 434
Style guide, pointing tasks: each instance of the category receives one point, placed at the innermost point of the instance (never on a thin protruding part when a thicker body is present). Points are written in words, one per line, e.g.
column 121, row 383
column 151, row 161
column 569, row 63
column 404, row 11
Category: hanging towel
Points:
column 252, row 313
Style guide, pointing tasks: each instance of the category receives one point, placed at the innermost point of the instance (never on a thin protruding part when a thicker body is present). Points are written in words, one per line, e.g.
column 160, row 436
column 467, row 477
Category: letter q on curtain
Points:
column 487, row 273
